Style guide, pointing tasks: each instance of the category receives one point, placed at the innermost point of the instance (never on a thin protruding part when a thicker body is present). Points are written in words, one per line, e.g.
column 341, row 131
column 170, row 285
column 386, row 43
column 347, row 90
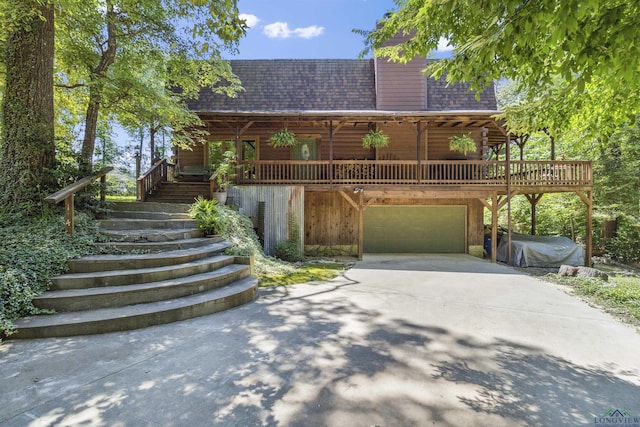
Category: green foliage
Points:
column 238, row 230
column 33, row 251
column 625, row 246
column 225, row 171
column 462, row 144
column 621, row 295
column 572, row 68
column 283, row 138
column 207, row 213
column 142, row 60
column 289, row 250
column 375, row 138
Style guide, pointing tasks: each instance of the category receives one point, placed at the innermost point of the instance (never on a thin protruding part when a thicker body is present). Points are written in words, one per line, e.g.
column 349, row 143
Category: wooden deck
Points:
column 524, row 176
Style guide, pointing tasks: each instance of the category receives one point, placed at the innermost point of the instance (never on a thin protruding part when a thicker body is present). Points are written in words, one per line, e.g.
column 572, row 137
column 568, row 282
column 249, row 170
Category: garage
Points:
column 415, row 229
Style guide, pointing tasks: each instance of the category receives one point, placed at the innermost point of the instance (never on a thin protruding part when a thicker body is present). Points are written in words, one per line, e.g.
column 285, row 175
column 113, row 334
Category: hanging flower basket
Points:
column 374, row 139
column 283, row 138
column 462, row 144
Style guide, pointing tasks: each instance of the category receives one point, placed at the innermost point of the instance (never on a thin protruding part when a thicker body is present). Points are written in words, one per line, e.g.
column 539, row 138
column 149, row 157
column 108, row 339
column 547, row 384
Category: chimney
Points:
column 400, row 87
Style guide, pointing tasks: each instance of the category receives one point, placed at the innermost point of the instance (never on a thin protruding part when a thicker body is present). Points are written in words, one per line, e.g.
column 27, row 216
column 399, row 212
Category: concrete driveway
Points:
column 403, row 340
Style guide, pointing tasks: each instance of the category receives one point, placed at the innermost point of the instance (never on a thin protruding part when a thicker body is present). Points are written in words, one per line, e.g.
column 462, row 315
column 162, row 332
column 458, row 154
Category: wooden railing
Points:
column 68, row 195
column 149, row 181
column 411, row 172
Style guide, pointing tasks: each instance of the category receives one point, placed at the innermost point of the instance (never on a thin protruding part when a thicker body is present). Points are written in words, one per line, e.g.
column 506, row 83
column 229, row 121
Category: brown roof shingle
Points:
column 298, row 85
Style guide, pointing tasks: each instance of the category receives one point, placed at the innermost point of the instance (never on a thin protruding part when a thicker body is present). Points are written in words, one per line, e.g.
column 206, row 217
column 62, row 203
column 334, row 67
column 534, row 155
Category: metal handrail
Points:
column 68, row 195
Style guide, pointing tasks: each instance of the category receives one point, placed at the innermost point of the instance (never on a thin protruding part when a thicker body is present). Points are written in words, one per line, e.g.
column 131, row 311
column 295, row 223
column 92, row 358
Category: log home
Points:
column 415, row 195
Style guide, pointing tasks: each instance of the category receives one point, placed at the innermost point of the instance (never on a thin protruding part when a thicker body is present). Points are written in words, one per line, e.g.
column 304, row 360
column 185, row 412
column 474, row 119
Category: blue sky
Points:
column 307, row 29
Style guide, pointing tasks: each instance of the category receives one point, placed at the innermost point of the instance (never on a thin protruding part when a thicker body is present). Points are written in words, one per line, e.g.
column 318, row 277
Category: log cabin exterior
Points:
column 415, row 195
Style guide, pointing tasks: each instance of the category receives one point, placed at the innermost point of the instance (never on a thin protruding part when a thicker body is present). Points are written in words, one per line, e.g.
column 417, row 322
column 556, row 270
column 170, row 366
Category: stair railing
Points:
column 68, row 195
column 149, row 181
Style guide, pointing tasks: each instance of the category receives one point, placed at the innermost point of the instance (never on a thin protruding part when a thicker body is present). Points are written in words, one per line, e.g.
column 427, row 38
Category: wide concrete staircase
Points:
column 181, row 275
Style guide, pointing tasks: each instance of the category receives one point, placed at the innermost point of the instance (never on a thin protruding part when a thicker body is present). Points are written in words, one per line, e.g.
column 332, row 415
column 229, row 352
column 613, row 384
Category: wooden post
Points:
column 69, row 214
column 508, row 177
column 331, row 152
column 494, row 227
column 533, row 199
column 360, row 225
column 103, row 187
column 588, row 200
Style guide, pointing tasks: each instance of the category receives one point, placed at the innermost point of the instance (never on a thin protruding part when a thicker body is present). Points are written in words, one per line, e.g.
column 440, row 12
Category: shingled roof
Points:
column 298, row 85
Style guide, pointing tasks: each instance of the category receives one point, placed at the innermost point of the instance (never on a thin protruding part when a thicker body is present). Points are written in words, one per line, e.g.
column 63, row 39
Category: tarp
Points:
column 540, row 251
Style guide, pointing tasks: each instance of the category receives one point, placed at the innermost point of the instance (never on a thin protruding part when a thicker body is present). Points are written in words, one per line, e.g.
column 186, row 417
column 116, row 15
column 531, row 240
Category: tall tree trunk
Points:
column 27, row 154
column 98, row 74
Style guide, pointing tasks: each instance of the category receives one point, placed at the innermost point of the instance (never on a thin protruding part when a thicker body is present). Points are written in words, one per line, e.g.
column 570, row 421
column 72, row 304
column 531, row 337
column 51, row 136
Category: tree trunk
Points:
column 98, row 74
column 27, row 154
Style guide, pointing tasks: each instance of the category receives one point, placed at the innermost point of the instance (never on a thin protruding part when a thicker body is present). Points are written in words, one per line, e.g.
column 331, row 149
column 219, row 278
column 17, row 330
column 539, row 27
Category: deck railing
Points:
column 160, row 172
column 411, row 172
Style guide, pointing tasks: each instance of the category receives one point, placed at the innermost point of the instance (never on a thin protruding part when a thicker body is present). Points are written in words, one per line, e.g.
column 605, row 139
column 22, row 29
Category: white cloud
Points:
column 309, row 32
column 281, row 30
column 251, row 20
column 277, row 30
column 443, row 45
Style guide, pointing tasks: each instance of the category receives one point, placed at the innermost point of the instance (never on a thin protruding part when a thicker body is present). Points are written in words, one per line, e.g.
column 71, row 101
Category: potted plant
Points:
column 207, row 213
column 462, row 144
column 375, row 138
column 223, row 176
column 283, row 138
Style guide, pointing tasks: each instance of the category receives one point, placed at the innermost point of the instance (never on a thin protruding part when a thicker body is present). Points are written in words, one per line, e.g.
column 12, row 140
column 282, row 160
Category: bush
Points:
column 33, row 251
column 207, row 213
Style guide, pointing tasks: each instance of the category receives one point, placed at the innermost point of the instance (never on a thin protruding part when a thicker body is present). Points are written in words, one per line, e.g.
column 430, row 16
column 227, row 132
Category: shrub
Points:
column 33, row 251
column 207, row 213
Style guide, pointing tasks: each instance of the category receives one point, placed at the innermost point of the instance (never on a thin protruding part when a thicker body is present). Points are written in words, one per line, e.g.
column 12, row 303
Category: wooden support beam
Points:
column 245, row 128
column 587, row 198
column 348, row 199
column 533, row 200
column 337, row 127
column 494, row 228
column 360, row 225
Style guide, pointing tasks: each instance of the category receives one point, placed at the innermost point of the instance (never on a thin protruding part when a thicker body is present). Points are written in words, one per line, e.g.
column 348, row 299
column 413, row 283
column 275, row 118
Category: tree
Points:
column 120, row 51
column 27, row 153
column 576, row 61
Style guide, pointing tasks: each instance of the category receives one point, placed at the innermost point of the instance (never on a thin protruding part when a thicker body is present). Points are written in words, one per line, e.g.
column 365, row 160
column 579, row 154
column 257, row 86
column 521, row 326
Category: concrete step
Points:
column 148, row 215
column 150, row 207
column 116, row 296
column 146, row 224
column 172, row 199
column 137, row 316
column 151, row 235
column 137, row 276
column 160, row 246
column 98, row 263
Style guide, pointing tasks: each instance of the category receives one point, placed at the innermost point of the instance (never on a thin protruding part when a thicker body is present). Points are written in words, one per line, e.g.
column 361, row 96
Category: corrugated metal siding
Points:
column 281, row 203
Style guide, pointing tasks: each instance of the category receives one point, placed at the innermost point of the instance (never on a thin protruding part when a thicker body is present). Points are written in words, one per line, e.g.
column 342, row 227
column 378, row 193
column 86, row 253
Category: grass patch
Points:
column 303, row 274
column 619, row 296
column 119, row 198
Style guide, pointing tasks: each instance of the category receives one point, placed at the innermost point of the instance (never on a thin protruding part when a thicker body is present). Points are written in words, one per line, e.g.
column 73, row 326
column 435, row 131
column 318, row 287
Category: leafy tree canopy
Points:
column 576, row 61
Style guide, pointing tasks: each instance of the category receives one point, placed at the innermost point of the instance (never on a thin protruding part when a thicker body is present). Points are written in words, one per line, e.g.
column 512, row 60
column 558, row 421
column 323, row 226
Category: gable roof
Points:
column 303, row 85
column 296, row 85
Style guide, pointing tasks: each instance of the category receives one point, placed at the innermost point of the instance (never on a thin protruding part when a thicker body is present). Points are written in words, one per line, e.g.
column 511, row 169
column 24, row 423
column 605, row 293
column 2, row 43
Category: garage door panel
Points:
column 415, row 229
